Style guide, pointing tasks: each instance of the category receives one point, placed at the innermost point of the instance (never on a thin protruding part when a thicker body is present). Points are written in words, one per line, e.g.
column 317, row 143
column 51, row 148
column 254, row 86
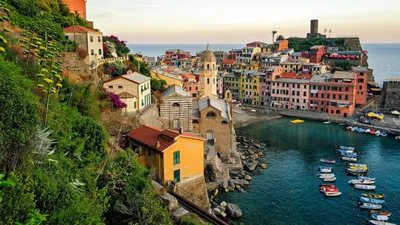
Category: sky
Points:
column 242, row 21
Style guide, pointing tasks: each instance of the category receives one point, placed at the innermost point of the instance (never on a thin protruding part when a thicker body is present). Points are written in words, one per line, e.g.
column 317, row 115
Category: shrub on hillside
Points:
column 116, row 101
column 82, row 53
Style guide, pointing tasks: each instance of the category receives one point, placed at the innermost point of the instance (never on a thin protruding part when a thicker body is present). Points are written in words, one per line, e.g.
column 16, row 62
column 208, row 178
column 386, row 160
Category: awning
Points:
column 375, row 89
column 372, row 83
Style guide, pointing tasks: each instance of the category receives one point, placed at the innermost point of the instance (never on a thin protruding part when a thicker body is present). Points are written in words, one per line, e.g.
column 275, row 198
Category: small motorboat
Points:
column 297, row 121
column 328, row 190
column 327, row 122
column 380, row 212
column 397, row 138
column 383, row 134
column 380, row 217
column 349, row 128
column 329, row 179
column 377, row 196
column 327, row 170
column 361, row 130
column 373, row 132
column 350, row 155
column 354, row 129
column 365, row 187
column 343, row 152
column 366, row 178
column 325, row 175
column 356, row 181
column 364, row 205
column 347, row 148
column 358, row 167
column 348, row 159
column 367, row 131
column 377, row 222
column 357, row 164
column 372, row 200
column 326, row 185
column 332, row 194
column 378, row 133
column 357, row 173
column 330, row 161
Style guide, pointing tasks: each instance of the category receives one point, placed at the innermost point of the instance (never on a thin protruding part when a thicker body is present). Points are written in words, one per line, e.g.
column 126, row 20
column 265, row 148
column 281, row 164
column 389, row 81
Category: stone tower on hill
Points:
column 77, row 6
column 208, row 74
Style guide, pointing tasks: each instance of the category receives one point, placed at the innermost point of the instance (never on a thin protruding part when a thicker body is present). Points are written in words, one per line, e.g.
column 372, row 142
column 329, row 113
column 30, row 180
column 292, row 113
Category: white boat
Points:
column 377, row 222
column 354, row 129
column 361, row 181
column 332, row 194
column 367, row 131
column 325, row 175
column 325, row 170
column 329, row 179
column 357, row 164
column 327, row 122
column 366, row 178
column 349, row 159
column 365, row 186
column 378, row 133
column 370, row 206
column 347, row 147
column 380, row 217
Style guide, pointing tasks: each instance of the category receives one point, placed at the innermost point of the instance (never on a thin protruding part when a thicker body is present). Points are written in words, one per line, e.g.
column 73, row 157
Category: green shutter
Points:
column 177, row 157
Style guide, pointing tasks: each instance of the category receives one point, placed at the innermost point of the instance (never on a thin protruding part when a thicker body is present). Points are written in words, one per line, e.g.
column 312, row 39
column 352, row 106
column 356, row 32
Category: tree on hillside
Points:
column 280, row 37
column 273, row 35
column 18, row 116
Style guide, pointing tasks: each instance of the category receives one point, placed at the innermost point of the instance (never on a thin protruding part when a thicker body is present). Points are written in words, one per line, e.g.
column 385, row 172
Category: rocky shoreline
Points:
column 252, row 155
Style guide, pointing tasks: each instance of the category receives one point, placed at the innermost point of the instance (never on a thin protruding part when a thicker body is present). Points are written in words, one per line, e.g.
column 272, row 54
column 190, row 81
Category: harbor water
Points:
column 287, row 192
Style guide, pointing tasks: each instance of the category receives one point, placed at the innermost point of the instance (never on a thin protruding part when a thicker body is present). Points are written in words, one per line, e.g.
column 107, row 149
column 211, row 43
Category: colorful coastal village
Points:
column 183, row 131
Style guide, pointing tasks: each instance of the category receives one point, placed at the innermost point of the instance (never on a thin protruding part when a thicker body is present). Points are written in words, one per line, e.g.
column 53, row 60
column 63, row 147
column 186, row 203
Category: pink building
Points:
column 291, row 91
column 220, row 84
column 266, row 82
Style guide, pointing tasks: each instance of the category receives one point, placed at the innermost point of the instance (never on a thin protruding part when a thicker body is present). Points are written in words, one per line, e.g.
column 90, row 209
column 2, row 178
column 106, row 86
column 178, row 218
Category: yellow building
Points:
column 133, row 89
column 170, row 78
column 290, row 67
column 249, row 87
column 174, row 155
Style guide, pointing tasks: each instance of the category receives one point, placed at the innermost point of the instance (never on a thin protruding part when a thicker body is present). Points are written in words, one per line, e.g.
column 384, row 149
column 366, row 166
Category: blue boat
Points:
column 383, row 134
column 361, row 130
column 351, row 155
column 372, row 200
column 324, row 167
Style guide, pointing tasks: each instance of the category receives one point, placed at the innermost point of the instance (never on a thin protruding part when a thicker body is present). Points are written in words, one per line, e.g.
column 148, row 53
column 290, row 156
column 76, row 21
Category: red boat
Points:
column 349, row 128
column 373, row 132
column 326, row 185
column 328, row 190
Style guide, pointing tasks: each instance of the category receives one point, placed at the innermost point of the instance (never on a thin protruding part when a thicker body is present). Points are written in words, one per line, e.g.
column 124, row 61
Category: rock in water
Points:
column 224, row 184
column 251, row 166
column 233, row 210
column 257, row 146
column 223, row 204
column 264, row 166
column 209, row 174
column 247, row 177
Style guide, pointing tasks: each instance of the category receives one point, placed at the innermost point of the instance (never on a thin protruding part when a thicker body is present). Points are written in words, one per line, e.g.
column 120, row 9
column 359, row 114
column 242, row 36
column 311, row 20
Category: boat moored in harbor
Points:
column 364, row 205
column 365, row 187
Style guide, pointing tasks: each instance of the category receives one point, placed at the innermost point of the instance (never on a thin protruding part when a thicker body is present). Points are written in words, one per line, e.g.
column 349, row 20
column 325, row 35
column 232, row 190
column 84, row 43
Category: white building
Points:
column 89, row 39
column 133, row 89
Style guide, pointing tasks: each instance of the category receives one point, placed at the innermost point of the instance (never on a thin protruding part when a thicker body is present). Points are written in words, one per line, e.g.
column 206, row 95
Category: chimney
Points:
column 181, row 130
column 157, row 144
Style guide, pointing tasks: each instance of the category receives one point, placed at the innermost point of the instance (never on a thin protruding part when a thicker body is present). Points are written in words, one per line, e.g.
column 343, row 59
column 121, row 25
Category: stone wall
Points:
column 176, row 112
column 352, row 44
column 78, row 71
column 194, row 189
column 391, row 96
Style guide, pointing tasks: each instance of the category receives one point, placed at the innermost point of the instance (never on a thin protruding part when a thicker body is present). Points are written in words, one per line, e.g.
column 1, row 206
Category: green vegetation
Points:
column 302, row 44
column 55, row 165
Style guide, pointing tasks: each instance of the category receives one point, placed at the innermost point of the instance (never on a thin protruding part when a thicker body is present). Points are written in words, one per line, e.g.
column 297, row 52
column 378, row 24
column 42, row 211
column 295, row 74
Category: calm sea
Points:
column 382, row 57
column 287, row 192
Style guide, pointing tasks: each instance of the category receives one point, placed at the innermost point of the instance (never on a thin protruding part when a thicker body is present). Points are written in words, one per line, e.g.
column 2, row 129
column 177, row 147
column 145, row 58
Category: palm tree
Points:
column 273, row 35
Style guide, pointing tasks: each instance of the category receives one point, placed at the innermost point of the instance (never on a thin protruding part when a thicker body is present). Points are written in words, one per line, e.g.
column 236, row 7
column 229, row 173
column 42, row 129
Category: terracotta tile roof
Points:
column 228, row 61
column 288, row 75
column 77, row 29
column 150, row 135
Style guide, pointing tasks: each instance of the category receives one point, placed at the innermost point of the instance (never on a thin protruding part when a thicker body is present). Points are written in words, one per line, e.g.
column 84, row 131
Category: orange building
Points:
column 174, row 155
column 77, row 6
column 362, row 79
column 281, row 45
